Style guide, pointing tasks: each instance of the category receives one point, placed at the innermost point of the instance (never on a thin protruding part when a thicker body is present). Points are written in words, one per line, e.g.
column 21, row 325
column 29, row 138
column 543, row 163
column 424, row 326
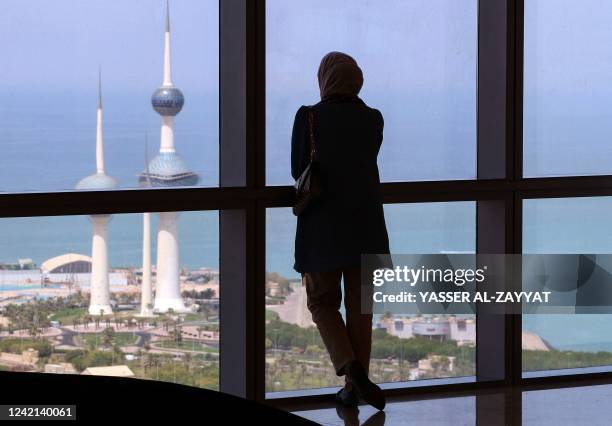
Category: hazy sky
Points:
column 567, row 46
column 418, row 56
column 419, row 63
column 412, row 44
column 568, row 83
column 406, row 45
column 58, row 44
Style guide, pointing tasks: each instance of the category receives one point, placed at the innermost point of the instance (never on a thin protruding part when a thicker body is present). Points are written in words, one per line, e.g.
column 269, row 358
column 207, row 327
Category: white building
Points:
column 100, row 290
column 462, row 330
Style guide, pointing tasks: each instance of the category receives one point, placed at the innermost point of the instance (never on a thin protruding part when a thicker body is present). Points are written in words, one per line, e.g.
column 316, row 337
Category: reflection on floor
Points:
column 435, row 412
column 572, row 406
column 587, row 405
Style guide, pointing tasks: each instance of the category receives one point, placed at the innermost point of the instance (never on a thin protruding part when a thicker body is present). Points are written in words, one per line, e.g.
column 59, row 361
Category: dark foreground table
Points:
column 116, row 401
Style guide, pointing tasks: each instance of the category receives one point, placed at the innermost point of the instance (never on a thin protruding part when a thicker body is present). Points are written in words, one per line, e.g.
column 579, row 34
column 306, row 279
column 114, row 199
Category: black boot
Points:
column 364, row 388
column 347, row 398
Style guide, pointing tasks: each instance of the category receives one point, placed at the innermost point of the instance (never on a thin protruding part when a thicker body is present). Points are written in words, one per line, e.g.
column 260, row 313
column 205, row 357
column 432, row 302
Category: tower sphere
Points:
column 168, row 101
column 97, row 182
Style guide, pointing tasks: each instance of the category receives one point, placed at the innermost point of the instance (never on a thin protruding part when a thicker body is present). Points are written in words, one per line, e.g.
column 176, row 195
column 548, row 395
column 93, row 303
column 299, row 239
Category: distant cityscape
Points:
column 405, row 347
column 45, row 324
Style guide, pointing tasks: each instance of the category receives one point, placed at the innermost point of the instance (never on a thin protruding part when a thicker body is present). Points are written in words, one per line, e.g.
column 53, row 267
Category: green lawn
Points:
column 17, row 345
column 67, row 315
column 119, row 339
column 556, row 360
column 203, row 375
column 193, row 317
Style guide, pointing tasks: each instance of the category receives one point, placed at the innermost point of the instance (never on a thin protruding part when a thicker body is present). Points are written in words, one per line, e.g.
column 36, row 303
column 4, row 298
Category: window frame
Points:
column 243, row 197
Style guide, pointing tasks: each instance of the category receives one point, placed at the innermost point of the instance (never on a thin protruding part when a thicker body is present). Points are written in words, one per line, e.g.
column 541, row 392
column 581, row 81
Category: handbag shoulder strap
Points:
column 313, row 147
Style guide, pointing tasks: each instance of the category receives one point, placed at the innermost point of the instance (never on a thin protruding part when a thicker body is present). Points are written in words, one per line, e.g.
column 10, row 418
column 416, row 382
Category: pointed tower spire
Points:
column 167, row 16
column 99, row 133
column 100, row 87
column 167, row 65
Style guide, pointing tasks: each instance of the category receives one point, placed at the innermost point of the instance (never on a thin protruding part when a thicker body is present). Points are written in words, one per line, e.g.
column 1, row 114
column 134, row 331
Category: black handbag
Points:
column 308, row 185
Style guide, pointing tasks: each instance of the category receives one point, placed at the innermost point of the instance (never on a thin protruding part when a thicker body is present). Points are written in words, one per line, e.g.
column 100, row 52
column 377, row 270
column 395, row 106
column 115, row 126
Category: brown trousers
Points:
column 344, row 341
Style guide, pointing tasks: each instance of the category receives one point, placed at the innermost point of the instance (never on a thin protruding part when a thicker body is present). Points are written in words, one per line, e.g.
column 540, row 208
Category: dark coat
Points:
column 348, row 220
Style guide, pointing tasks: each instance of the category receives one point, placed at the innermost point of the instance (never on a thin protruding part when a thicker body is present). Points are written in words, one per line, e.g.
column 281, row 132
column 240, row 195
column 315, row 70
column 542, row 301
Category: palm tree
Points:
column 79, row 298
column 87, row 319
column 107, row 336
column 187, row 359
column 147, row 362
column 206, row 312
column 178, row 333
column 201, row 328
column 116, row 351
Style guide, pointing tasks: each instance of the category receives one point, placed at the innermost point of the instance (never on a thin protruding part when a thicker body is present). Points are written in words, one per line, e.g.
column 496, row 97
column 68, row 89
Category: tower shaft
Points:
column 146, row 289
column 99, row 286
column 167, row 62
column 167, row 134
column 168, row 286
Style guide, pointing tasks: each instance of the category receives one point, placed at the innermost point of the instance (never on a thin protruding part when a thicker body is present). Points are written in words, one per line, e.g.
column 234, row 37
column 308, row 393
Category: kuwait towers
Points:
column 146, row 289
column 99, row 287
column 167, row 169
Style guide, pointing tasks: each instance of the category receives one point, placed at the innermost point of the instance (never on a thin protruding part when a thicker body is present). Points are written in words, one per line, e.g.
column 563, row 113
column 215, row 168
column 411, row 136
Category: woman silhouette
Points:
column 346, row 221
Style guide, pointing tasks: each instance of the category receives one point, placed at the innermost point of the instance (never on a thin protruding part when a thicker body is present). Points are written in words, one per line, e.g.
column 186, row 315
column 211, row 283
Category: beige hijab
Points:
column 339, row 75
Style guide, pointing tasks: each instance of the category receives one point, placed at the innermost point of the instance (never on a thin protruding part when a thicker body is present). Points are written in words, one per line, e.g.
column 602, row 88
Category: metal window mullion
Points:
column 495, row 161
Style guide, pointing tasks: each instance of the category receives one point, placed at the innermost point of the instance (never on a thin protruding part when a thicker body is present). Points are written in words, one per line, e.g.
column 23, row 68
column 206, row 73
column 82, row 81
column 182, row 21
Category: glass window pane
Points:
column 567, row 122
column 295, row 356
column 83, row 295
column 49, row 92
column 419, row 64
column 566, row 225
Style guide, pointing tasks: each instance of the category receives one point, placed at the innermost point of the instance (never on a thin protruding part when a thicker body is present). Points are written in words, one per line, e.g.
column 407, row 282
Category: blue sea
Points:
column 48, row 144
